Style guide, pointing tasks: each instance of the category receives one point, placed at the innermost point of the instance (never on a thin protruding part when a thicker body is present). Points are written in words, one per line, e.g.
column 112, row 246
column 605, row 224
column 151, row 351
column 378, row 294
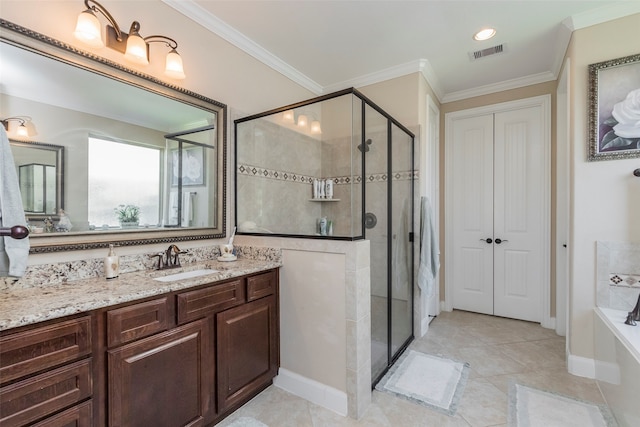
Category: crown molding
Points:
column 212, row 23
column 602, row 14
column 499, row 87
column 419, row 66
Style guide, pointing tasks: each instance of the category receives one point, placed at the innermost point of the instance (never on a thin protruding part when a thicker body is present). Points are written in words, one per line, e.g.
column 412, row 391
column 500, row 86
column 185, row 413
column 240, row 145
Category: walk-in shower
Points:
column 337, row 167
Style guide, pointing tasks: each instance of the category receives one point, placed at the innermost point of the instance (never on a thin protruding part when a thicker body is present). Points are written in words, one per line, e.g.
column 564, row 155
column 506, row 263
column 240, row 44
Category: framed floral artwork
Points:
column 614, row 109
column 192, row 166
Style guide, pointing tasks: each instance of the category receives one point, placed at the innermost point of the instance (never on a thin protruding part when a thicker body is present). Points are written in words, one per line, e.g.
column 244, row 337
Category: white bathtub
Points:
column 617, row 354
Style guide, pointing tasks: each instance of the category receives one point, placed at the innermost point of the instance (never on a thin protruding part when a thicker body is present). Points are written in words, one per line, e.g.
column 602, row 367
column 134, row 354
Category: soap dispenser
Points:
column 111, row 264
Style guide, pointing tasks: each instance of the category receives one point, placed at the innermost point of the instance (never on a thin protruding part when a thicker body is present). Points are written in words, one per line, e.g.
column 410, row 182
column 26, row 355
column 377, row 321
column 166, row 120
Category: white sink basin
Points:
column 185, row 275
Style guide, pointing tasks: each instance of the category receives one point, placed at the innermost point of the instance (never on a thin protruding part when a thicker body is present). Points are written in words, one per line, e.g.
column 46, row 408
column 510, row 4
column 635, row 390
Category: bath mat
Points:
column 530, row 407
column 247, row 422
column 431, row 381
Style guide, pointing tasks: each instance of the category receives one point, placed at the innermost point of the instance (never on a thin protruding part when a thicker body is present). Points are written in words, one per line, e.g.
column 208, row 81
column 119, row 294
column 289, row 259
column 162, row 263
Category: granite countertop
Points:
column 26, row 306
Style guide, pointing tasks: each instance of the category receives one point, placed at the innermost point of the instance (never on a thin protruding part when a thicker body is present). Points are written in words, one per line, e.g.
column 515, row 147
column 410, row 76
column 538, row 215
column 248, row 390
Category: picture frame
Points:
column 614, row 115
column 193, row 167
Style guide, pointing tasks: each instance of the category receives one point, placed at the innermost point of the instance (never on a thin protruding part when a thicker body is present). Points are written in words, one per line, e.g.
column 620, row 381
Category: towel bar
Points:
column 15, row 232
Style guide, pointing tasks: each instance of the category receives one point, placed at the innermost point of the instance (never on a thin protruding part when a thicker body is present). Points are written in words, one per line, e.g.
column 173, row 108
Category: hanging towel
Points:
column 400, row 260
column 187, row 208
column 13, row 252
column 429, row 250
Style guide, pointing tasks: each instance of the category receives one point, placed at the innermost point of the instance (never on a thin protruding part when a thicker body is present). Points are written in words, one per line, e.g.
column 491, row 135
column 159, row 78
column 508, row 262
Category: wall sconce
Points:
column 134, row 47
column 22, row 130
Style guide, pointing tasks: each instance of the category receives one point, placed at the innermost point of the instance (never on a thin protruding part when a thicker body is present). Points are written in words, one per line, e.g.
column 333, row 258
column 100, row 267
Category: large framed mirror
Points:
column 144, row 161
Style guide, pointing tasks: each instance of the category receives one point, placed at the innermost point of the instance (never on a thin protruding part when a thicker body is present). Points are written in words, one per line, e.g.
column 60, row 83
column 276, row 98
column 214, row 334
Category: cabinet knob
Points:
column 489, row 241
column 498, row 241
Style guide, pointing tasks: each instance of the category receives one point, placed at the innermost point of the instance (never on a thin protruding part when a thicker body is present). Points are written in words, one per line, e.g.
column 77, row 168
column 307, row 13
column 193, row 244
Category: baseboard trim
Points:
column 313, row 391
column 548, row 322
column 581, row 366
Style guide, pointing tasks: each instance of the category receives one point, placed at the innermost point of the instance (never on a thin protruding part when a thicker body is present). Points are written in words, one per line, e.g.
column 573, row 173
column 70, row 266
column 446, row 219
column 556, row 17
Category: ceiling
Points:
column 329, row 45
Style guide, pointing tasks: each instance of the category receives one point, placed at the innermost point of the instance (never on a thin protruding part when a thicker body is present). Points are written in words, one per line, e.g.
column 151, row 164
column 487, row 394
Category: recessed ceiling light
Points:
column 484, row 34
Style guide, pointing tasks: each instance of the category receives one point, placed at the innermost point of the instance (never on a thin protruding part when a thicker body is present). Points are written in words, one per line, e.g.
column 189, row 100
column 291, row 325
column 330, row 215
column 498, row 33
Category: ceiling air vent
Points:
column 487, row 52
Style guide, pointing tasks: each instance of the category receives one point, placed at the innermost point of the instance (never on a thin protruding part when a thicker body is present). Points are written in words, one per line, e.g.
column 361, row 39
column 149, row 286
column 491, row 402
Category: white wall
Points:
column 605, row 195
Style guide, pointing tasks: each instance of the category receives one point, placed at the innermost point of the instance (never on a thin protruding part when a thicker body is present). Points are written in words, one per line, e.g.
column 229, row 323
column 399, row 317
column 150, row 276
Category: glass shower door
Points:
column 388, row 177
column 375, row 149
column 401, row 178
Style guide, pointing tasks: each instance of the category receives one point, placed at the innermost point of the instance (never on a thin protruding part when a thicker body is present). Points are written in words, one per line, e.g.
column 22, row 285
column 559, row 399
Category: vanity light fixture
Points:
column 288, row 116
column 302, row 121
column 484, row 34
column 133, row 45
column 315, row 127
column 22, row 130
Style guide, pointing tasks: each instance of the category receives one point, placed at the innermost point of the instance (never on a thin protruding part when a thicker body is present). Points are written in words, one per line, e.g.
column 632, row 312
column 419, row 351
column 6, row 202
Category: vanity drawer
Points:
column 202, row 302
column 37, row 349
column 261, row 285
column 137, row 321
column 34, row 398
column 78, row 416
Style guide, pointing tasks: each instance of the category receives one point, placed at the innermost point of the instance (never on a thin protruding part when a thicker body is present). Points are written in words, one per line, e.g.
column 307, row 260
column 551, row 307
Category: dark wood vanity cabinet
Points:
column 191, row 358
column 46, row 375
column 186, row 358
column 247, row 350
column 163, row 380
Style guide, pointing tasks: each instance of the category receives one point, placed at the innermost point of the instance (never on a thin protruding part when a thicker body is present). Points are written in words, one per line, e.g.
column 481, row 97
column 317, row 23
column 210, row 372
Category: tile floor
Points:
column 498, row 350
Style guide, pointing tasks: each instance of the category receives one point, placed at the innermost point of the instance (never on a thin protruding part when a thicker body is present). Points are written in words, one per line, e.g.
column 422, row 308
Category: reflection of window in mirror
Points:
column 123, row 174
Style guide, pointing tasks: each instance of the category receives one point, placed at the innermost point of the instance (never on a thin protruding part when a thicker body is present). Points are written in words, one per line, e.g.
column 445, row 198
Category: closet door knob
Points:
column 487, row 240
column 498, row 241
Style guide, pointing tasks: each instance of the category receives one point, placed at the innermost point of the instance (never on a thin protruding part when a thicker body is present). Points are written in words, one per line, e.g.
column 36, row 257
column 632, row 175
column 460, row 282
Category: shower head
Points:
column 364, row 147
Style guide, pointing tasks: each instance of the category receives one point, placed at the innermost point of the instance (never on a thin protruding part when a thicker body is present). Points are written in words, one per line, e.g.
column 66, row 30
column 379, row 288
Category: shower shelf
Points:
column 324, row 200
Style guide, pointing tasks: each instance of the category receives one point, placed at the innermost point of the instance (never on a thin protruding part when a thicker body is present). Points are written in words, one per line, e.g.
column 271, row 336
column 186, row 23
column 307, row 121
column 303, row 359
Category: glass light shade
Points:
column 315, row 127
column 288, row 116
column 22, row 131
column 302, row 120
column 173, row 67
column 484, row 34
column 88, row 29
column 136, row 50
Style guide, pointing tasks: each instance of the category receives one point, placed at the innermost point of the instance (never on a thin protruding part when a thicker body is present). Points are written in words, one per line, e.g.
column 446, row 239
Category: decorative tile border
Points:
column 624, row 280
column 256, row 171
column 274, row 174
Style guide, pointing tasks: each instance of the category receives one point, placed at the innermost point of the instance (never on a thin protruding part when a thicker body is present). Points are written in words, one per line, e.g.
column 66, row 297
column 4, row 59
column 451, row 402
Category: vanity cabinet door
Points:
column 164, row 380
column 247, row 346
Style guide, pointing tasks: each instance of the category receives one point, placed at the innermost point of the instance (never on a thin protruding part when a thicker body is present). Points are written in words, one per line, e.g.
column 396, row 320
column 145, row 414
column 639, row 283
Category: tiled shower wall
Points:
column 275, row 185
column 618, row 275
column 274, row 174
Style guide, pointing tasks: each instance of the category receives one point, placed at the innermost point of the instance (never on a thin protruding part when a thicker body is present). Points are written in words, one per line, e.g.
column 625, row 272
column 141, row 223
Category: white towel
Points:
column 13, row 252
column 429, row 250
column 400, row 260
column 187, row 208
column 173, row 208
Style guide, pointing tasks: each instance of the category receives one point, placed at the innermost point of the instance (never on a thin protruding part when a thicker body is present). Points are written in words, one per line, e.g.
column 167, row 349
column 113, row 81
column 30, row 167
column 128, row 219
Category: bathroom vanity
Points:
column 183, row 353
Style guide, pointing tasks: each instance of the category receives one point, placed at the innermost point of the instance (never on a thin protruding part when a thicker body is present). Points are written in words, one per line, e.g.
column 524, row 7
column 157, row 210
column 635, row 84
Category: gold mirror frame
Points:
column 40, row 44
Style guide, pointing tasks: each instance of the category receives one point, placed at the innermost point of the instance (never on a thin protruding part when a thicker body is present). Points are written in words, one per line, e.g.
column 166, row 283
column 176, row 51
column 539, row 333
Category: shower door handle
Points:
column 489, row 241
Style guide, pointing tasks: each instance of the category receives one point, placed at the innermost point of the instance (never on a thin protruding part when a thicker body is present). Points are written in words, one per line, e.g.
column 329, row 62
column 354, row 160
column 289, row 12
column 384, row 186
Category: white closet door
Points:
column 518, row 216
column 473, row 214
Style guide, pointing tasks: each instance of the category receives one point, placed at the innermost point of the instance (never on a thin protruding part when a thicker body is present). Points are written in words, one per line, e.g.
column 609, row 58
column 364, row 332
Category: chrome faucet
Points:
column 168, row 258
